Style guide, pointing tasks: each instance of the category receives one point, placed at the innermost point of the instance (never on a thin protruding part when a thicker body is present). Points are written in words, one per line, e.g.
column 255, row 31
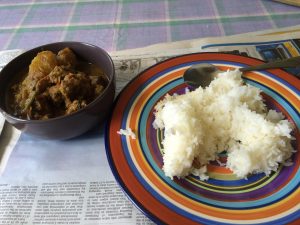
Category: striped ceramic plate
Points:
column 223, row 199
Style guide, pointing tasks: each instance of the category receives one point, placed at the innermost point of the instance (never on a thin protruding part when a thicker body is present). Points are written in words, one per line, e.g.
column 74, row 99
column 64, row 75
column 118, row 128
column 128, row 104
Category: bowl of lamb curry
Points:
column 59, row 90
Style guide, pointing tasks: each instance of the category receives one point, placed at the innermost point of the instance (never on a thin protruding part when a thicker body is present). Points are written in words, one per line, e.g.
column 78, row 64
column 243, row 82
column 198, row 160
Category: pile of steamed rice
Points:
column 227, row 115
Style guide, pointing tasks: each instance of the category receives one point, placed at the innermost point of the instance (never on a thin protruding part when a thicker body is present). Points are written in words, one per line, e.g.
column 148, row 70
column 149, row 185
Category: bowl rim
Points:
column 91, row 104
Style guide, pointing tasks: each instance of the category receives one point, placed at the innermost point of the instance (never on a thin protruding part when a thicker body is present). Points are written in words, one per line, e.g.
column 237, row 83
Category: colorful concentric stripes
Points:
column 223, row 199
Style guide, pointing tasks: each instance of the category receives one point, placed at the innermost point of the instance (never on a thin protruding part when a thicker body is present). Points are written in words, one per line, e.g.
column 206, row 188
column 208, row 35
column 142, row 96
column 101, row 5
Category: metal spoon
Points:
column 202, row 74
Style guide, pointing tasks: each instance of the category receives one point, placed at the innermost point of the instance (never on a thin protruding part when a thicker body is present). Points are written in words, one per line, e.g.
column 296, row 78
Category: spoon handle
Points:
column 291, row 62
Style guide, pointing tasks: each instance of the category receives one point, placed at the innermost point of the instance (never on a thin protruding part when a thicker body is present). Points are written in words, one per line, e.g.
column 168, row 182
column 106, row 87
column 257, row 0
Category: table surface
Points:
column 117, row 25
column 114, row 25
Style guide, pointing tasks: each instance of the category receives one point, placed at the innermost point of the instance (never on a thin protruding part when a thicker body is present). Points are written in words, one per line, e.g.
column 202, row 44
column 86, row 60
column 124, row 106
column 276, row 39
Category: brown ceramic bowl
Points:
column 63, row 127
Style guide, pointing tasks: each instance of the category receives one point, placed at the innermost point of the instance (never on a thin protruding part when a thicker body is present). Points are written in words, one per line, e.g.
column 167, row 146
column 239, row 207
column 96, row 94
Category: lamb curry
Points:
column 56, row 85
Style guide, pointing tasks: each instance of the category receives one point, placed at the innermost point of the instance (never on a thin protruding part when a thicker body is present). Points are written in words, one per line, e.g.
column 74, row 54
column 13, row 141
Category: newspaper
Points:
column 70, row 182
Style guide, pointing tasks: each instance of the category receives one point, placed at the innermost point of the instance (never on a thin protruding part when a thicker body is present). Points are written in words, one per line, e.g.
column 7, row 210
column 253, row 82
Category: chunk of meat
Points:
column 75, row 106
column 56, row 96
column 67, row 58
column 40, row 108
column 42, row 85
column 98, row 89
column 77, row 86
column 58, row 74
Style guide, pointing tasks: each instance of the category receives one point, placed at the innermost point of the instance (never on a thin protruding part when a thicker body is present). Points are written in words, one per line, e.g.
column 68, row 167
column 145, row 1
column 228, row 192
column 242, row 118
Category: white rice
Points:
column 127, row 132
column 227, row 115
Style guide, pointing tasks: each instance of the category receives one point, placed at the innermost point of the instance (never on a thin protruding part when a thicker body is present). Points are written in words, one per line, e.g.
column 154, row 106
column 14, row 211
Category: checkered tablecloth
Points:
column 122, row 24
